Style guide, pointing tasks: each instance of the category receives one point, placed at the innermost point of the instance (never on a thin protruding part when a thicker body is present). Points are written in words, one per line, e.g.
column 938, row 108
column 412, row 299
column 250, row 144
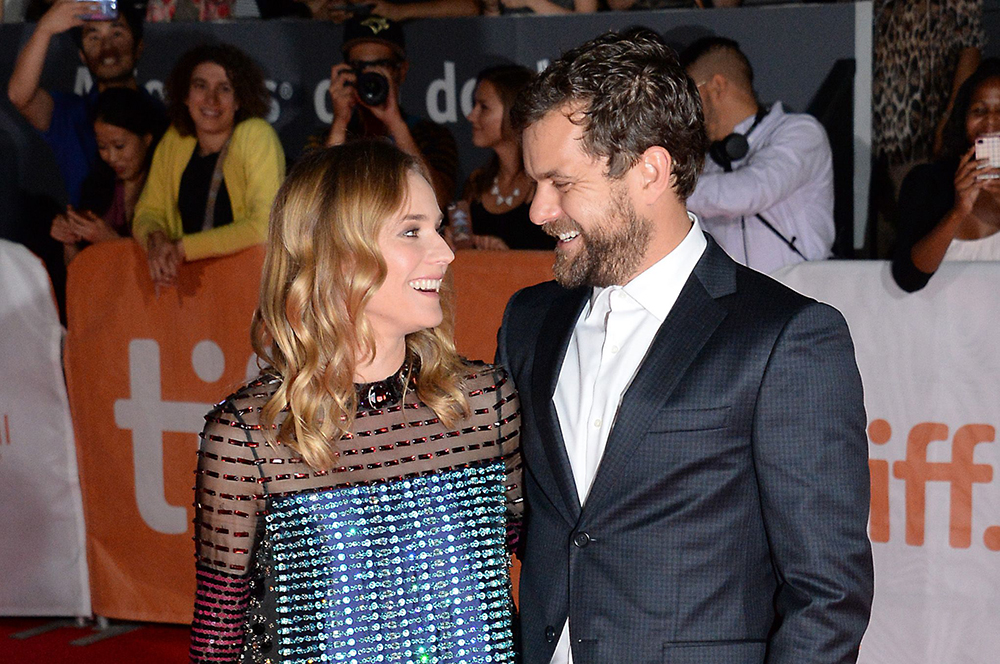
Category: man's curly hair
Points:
column 632, row 94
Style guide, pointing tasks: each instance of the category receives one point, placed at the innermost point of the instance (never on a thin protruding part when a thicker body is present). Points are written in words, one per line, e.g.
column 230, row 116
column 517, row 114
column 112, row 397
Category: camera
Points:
column 373, row 87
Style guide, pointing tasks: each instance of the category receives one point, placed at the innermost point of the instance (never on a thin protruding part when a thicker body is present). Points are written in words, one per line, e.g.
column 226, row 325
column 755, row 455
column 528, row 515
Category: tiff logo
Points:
column 961, row 473
column 148, row 417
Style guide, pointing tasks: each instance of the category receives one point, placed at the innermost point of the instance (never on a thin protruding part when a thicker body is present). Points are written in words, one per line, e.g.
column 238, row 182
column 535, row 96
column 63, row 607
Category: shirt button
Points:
column 597, row 423
column 614, row 349
column 550, row 633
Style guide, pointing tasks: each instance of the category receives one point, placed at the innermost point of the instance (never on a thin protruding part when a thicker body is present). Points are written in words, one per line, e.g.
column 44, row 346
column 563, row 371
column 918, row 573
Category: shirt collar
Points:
column 656, row 288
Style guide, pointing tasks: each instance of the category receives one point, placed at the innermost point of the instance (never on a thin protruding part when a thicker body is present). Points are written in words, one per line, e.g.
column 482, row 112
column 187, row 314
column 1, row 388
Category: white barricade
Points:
column 41, row 516
column 930, row 362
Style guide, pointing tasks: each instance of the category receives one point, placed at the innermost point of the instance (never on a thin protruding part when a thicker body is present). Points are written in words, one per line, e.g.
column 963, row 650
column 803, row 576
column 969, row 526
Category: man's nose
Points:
column 545, row 206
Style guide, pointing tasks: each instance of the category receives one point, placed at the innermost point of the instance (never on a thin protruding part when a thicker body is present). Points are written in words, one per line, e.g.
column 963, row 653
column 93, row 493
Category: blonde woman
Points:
column 358, row 500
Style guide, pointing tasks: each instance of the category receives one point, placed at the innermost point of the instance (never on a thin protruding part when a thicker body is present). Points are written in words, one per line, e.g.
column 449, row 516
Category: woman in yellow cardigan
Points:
column 216, row 170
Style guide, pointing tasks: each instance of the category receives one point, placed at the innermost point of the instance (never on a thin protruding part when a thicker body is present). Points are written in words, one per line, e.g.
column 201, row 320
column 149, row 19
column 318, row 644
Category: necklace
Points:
column 503, row 201
column 383, row 393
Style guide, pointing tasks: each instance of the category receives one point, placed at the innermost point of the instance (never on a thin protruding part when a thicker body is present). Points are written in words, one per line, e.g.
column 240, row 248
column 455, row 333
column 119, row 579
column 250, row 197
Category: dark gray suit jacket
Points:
column 727, row 523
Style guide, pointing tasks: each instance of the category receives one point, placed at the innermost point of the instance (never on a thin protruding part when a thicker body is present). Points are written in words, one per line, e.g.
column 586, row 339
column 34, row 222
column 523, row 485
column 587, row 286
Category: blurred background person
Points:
column 376, row 45
column 216, row 171
column 949, row 210
column 127, row 128
column 922, row 53
column 406, row 462
column 766, row 192
column 109, row 49
column 496, row 197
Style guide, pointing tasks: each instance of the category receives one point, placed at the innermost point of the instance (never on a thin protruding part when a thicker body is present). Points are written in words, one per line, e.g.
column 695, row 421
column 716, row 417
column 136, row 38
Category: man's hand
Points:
column 344, row 98
column 66, row 14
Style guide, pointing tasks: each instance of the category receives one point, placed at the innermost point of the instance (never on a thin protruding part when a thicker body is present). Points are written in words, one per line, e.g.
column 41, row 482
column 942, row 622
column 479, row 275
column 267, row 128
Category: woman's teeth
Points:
column 426, row 285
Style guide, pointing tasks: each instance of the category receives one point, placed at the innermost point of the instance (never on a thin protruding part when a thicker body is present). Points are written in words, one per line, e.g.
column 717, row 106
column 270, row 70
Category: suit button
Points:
column 581, row 540
column 550, row 633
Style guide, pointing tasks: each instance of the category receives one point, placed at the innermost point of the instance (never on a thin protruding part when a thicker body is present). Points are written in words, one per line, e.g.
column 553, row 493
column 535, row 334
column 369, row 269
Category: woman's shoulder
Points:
column 241, row 409
column 486, row 382
column 254, row 127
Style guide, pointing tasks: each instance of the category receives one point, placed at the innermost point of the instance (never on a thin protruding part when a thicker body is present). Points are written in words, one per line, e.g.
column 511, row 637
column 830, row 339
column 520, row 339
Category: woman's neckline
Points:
column 386, row 392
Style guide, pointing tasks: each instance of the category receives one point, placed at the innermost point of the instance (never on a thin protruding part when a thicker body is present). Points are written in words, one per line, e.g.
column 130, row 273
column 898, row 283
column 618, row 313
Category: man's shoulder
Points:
column 801, row 124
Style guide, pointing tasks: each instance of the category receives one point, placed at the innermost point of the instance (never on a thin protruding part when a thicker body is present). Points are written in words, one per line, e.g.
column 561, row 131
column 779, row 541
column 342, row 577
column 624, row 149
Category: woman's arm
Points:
column 228, row 500
column 258, row 158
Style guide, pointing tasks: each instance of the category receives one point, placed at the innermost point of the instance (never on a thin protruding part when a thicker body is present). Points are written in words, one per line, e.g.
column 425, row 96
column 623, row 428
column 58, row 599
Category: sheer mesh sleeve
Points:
column 508, row 409
column 228, row 504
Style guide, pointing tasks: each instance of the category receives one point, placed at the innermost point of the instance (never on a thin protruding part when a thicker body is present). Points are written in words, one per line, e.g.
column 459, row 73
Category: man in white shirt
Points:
column 766, row 194
column 693, row 433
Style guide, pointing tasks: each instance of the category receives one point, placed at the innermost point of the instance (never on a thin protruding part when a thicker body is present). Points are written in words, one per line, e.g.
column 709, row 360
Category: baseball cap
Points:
column 373, row 28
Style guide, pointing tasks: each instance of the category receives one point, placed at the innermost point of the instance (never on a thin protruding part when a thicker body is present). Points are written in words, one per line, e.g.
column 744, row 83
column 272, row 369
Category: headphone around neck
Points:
column 735, row 146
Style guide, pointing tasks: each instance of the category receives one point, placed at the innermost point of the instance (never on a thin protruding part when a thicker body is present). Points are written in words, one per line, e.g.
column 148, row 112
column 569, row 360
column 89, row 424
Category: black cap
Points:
column 373, row 28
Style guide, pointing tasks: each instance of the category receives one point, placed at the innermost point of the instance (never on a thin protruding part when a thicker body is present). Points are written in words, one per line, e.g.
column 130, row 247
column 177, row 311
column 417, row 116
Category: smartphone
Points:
column 988, row 147
column 107, row 10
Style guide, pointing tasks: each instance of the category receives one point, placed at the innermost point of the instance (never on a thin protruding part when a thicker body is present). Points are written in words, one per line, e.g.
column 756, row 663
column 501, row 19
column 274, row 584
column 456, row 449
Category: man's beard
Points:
column 610, row 252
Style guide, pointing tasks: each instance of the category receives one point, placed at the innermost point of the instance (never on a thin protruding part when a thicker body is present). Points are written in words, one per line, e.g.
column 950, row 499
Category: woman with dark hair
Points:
column 218, row 167
column 127, row 126
column 497, row 196
column 949, row 210
column 356, row 502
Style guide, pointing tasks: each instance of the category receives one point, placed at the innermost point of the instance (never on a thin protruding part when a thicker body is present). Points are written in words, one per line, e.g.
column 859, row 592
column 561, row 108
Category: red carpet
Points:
column 150, row 644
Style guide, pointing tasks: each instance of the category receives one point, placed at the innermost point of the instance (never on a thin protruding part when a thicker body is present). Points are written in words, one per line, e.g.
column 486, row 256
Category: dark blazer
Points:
column 727, row 523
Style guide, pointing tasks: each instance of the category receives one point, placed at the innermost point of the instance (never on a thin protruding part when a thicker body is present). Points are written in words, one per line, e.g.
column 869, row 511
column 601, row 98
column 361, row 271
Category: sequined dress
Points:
column 400, row 554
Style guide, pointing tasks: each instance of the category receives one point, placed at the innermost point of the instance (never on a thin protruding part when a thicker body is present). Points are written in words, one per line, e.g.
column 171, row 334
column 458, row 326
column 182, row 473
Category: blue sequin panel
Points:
column 408, row 571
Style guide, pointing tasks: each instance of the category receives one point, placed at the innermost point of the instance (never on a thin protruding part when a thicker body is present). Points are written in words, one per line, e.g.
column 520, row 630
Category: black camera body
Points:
column 372, row 87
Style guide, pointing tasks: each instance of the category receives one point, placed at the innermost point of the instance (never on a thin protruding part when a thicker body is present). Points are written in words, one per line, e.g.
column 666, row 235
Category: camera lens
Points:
column 373, row 88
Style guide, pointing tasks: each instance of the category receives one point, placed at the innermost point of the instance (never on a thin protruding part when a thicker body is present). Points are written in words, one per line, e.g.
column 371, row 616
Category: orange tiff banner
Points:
column 142, row 370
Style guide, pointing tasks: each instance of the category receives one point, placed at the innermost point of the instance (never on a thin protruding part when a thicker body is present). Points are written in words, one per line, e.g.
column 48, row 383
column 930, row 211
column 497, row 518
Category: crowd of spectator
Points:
column 158, row 11
column 203, row 186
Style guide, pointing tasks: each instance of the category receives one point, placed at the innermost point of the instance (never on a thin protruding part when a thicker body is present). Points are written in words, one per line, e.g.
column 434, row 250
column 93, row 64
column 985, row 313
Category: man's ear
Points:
column 656, row 173
column 404, row 67
column 138, row 50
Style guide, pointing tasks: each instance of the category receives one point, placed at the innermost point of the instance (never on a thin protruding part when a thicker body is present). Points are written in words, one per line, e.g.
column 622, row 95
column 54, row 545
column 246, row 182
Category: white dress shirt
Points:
column 610, row 340
column 786, row 177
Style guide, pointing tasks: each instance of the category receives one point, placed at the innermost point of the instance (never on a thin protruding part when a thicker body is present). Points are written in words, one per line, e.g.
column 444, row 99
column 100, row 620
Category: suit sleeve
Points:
column 811, row 458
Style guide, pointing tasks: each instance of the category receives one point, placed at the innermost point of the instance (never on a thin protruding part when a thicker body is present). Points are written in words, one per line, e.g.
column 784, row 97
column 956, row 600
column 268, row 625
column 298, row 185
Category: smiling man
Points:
column 696, row 472
column 109, row 49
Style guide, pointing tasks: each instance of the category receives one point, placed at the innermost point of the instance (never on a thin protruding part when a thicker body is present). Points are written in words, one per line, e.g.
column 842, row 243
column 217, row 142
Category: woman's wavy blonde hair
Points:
column 322, row 267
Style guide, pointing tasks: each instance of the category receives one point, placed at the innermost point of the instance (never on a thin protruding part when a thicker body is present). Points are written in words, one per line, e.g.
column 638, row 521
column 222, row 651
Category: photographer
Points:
column 370, row 108
column 108, row 48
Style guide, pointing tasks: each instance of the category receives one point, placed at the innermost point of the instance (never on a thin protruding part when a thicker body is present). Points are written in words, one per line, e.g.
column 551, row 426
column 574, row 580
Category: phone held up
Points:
column 988, row 148
column 107, row 10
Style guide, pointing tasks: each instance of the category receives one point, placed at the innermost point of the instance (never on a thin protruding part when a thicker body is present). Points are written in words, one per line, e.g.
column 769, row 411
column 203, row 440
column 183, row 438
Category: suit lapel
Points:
column 691, row 322
column 550, row 350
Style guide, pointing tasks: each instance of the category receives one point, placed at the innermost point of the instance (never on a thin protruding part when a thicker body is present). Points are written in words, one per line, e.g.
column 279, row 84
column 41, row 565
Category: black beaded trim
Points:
column 383, row 393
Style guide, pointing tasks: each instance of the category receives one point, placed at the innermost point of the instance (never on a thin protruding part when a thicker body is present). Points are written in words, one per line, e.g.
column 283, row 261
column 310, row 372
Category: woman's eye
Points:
column 411, row 232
